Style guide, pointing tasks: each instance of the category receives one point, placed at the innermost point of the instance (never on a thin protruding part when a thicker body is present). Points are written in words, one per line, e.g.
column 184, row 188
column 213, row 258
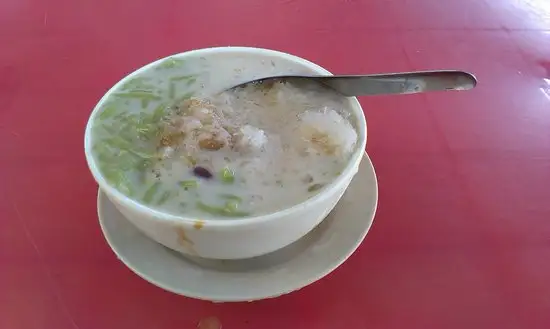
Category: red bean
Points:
column 202, row 172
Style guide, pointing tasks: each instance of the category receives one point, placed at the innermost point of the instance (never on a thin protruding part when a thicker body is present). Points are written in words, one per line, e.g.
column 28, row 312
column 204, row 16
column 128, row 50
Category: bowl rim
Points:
column 213, row 221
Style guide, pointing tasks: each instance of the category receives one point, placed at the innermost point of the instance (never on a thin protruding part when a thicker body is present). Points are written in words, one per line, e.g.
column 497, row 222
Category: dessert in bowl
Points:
column 224, row 174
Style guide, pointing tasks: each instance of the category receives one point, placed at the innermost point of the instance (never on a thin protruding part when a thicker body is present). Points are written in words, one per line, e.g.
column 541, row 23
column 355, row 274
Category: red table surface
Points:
column 462, row 234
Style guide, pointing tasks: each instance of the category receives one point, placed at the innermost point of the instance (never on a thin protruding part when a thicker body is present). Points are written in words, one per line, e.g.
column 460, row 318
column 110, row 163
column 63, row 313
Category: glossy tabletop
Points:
column 462, row 234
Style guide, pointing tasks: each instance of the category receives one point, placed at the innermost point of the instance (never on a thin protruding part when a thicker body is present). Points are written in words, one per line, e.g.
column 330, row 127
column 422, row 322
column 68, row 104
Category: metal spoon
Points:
column 378, row 84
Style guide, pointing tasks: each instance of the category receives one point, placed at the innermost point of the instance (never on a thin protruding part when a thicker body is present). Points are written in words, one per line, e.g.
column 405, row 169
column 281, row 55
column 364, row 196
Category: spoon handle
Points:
column 399, row 83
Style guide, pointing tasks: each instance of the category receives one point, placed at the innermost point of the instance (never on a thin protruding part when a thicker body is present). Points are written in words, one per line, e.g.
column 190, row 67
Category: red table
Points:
column 462, row 235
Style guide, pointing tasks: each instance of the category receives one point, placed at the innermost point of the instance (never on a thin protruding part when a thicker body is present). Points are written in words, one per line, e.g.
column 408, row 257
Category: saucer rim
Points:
column 295, row 286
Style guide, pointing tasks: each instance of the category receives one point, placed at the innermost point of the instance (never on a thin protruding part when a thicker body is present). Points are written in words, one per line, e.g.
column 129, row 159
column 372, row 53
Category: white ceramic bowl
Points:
column 235, row 238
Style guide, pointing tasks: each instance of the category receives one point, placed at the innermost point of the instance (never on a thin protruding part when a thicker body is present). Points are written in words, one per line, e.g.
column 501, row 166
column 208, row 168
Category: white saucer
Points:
column 278, row 273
